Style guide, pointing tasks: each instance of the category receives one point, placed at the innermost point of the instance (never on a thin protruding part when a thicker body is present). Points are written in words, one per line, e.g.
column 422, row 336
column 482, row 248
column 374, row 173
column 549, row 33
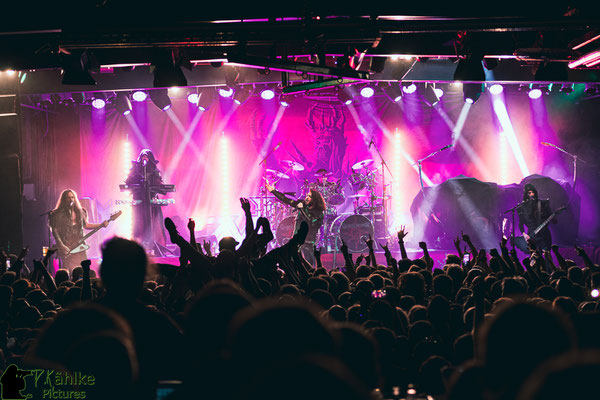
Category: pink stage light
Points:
column 193, row 98
column 469, row 100
column 267, row 94
column 139, row 96
column 410, row 88
column 225, row 92
column 496, row 89
column 367, row 92
column 535, row 94
column 98, row 103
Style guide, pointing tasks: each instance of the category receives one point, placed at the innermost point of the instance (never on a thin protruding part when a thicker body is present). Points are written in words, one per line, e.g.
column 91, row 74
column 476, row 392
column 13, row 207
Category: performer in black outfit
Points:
column 67, row 221
column 145, row 170
column 532, row 213
column 310, row 209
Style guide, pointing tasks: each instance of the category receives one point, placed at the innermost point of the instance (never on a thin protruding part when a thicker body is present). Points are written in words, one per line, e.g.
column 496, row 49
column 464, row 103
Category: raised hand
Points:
column 466, row 238
column 344, row 248
column 554, row 247
column 402, row 233
column 317, row 251
column 85, row 264
column 268, row 185
column 246, row 204
column 503, row 242
column 423, row 245
column 24, row 252
column 385, row 247
column 191, row 224
column 457, row 242
column 580, row 252
column 494, row 253
column 369, row 242
column 206, row 246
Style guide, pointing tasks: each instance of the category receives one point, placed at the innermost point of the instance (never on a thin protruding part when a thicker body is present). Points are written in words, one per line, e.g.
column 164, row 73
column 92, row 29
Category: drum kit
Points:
column 353, row 228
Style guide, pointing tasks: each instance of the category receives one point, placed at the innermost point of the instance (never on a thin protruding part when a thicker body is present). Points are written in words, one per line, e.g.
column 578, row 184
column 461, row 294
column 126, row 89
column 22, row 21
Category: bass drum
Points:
column 354, row 230
column 285, row 230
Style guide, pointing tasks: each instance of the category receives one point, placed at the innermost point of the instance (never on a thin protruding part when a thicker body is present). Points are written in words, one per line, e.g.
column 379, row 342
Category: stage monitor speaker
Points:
column 11, row 207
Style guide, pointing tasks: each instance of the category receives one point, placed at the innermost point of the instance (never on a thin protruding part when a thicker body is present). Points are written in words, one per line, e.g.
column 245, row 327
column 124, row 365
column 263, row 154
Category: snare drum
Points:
column 354, row 230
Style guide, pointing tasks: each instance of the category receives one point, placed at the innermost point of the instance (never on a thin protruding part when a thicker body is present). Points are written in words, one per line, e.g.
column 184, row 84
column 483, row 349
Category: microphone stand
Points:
column 383, row 193
column 575, row 159
column 512, row 210
column 425, row 199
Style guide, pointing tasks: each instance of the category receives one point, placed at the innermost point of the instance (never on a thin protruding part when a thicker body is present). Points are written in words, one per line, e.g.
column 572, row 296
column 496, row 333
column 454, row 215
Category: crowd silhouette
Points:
column 251, row 323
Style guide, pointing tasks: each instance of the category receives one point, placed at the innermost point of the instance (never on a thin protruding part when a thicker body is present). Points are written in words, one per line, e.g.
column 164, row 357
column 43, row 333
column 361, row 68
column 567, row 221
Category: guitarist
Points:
column 532, row 213
column 67, row 221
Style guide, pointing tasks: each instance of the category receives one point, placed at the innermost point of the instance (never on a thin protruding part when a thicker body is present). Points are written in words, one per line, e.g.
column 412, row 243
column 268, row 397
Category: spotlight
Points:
column 225, row 92
column 430, row 95
column 193, row 98
column 344, row 96
column 409, row 87
column 99, row 100
column 160, row 98
column 472, row 91
column 267, row 94
column 535, row 93
column 393, row 92
column 207, row 96
column 241, row 94
column 496, row 89
column 123, row 104
column 284, row 101
column 139, row 96
column 567, row 88
column 367, row 91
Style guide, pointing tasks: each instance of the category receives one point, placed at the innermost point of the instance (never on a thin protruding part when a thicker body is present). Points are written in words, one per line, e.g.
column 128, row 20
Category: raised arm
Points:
column 246, row 208
column 426, row 255
column 369, row 243
column 401, row 235
column 561, row 260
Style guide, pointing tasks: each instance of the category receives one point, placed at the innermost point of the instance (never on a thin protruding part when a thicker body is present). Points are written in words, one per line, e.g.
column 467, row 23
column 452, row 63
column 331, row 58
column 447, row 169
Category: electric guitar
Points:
column 520, row 241
column 81, row 245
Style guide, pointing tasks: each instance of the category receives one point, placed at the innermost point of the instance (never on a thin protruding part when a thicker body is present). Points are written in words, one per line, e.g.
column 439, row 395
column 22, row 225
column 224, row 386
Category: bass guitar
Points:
column 81, row 245
column 520, row 241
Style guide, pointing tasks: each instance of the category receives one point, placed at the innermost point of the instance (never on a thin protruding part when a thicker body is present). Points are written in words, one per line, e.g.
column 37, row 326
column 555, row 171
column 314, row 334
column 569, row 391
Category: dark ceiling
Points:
column 533, row 40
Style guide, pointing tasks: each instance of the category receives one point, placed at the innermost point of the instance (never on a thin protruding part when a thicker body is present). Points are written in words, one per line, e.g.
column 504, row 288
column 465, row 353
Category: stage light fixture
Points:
column 567, row 88
column 225, row 92
column 439, row 92
column 161, row 99
column 284, row 100
column 496, row 89
column 78, row 98
column 344, row 96
column 139, row 96
column 207, row 96
column 242, row 93
column 393, row 92
column 367, row 92
column 590, row 89
column 409, row 87
column 193, row 98
column 535, row 93
column 98, row 100
column 123, row 104
column 472, row 91
column 430, row 95
column 267, row 94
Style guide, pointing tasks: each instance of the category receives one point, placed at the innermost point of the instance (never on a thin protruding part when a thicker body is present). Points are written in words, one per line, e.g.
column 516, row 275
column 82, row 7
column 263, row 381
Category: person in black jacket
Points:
column 310, row 209
column 532, row 214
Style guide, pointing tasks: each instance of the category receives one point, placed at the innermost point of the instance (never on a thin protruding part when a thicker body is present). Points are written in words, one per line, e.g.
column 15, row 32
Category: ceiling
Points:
column 118, row 43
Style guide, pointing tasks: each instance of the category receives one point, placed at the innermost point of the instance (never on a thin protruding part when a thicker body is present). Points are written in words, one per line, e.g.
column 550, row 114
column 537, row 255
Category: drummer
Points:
column 310, row 209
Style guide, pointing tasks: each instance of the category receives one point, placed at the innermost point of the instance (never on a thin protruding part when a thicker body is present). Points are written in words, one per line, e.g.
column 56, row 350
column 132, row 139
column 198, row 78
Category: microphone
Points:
column 447, row 147
column 546, row 144
column 71, row 204
column 371, row 142
column 144, row 162
column 277, row 146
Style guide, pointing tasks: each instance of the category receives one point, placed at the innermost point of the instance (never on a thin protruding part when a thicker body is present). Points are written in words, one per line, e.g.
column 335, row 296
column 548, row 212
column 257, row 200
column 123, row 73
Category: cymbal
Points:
column 293, row 165
column 277, row 174
column 323, row 174
column 362, row 164
column 356, row 196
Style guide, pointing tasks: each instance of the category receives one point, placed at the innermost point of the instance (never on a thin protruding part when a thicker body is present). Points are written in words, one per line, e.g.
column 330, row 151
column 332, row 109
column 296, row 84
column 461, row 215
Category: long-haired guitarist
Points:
column 67, row 221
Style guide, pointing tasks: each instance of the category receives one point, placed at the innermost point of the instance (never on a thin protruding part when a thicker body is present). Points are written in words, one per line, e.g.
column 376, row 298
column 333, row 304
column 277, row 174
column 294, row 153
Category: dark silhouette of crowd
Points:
column 259, row 322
